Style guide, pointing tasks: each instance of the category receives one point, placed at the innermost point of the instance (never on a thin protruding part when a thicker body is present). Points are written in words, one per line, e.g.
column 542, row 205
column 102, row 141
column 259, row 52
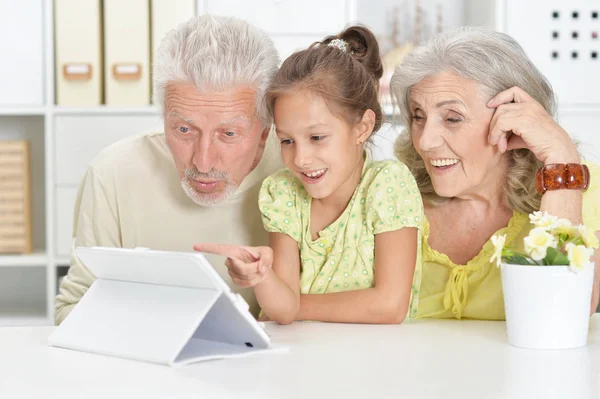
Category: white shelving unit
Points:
column 65, row 139
column 34, row 259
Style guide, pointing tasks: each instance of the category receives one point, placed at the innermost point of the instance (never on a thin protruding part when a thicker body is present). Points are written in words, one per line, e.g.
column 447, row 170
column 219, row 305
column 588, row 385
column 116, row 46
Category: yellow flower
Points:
column 498, row 242
column 537, row 243
column 579, row 256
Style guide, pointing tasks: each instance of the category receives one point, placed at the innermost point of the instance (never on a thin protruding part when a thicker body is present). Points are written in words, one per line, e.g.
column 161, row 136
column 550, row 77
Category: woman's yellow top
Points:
column 474, row 290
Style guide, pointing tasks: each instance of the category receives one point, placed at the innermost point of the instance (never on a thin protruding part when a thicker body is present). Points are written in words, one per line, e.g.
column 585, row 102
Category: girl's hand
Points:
column 264, row 317
column 247, row 266
column 521, row 122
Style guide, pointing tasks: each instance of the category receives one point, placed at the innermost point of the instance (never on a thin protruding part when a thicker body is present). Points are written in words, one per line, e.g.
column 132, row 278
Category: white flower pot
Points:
column 547, row 307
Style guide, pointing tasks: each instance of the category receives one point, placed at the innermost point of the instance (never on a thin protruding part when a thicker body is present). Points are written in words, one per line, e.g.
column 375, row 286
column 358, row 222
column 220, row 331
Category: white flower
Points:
column 543, row 220
column 579, row 256
column 498, row 242
column 564, row 226
column 588, row 236
column 537, row 243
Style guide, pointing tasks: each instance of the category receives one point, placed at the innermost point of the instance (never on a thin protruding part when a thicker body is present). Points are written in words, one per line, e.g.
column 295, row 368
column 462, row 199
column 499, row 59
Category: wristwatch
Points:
column 561, row 176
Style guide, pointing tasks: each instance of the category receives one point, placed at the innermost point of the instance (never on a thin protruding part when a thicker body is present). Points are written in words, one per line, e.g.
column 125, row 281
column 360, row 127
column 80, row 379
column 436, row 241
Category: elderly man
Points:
column 197, row 179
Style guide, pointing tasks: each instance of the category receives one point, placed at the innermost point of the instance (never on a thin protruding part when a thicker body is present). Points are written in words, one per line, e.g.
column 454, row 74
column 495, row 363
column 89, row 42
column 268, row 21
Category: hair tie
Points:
column 340, row 44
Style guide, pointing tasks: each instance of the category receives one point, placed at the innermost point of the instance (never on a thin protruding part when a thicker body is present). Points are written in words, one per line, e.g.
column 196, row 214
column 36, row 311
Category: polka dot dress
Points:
column 342, row 257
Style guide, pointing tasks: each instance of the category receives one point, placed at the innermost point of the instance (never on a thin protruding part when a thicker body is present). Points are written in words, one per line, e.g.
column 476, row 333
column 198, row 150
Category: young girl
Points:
column 343, row 229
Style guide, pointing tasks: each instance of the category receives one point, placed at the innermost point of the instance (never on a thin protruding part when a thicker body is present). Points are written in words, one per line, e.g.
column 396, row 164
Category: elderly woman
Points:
column 479, row 125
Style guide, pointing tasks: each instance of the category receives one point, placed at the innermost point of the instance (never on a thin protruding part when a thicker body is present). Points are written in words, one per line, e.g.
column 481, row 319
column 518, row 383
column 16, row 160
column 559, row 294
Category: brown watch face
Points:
column 558, row 176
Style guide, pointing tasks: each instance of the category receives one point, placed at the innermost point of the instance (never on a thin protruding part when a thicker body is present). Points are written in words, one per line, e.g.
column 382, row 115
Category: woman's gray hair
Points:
column 216, row 53
column 496, row 62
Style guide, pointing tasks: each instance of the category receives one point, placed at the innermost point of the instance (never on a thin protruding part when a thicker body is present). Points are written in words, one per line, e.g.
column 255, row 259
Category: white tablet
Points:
column 158, row 306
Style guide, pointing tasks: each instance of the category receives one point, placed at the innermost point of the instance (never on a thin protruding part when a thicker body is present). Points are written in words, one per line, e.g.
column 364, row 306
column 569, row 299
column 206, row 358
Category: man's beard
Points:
column 207, row 199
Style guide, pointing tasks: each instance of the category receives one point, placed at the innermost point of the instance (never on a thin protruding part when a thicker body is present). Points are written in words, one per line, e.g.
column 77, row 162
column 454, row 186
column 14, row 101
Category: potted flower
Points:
column 547, row 284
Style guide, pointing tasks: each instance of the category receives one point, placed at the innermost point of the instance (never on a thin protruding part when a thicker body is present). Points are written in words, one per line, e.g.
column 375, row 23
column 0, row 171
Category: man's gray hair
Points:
column 216, row 53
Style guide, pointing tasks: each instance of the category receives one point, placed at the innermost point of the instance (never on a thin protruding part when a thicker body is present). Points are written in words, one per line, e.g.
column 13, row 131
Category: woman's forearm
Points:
column 565, row 204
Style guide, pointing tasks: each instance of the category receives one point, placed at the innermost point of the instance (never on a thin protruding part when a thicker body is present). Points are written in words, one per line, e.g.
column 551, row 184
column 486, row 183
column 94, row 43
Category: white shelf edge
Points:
column 62, row 260
column 105, row 110
column 24, row 321
column 36, row 259
column 22, row 111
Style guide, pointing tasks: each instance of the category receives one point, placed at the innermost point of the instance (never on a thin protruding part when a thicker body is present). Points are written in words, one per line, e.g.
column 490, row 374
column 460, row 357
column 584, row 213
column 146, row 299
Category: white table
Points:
column 421, row 359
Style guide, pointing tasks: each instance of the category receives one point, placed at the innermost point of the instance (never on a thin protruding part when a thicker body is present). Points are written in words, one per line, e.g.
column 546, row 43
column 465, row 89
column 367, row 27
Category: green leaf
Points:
column 555, row 257
column 578, row 241
column 517, row 259
column 550, row 256
column 506, row 252
column 562, row 238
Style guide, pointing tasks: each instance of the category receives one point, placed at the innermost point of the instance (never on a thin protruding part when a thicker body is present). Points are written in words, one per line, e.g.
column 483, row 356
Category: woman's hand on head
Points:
column 247, row 266
column 521, row 122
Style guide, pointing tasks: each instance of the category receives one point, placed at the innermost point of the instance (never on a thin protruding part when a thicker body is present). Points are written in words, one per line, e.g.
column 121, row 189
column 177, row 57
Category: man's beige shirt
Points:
column 131, row 197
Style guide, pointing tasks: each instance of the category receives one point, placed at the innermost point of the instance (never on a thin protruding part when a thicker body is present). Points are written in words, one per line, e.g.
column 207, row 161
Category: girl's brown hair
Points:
column 347, row 80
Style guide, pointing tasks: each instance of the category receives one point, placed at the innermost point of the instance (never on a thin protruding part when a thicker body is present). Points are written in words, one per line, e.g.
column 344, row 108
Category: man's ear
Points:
column 365, row 126
column 264, row 136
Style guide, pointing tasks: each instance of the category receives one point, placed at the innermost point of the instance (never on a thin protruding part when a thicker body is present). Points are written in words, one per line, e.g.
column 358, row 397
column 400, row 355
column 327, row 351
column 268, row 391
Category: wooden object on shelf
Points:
column 15, row 199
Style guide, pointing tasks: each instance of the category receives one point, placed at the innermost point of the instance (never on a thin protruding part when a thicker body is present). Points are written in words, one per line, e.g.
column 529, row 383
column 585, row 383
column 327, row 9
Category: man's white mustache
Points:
column 212, row 174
